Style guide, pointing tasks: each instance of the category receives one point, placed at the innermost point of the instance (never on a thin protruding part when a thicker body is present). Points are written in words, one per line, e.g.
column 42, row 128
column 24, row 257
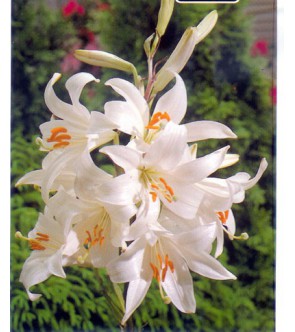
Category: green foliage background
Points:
column 225, row 84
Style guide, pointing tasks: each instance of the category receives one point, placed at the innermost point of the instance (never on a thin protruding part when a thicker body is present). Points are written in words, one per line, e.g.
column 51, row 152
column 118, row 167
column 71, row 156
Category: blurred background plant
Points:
column 224, row 82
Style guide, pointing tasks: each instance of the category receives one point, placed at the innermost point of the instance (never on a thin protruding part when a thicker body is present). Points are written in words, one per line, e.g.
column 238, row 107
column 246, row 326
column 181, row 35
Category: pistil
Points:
column 223, row 217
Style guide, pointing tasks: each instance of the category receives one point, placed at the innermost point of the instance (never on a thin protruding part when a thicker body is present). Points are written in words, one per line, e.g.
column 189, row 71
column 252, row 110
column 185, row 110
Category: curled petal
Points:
column 75, row 85
column 39, row 267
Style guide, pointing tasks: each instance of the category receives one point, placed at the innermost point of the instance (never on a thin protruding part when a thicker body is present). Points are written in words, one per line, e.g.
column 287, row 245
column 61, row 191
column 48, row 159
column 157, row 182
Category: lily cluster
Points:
column 164, row 210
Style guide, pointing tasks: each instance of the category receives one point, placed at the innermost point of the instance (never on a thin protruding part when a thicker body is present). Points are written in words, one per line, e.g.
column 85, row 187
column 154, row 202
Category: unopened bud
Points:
column 184, row 49
column 107, row 60
column 164, row 16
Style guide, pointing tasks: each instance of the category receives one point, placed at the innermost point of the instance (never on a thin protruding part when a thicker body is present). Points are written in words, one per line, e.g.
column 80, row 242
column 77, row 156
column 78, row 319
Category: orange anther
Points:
column 154, row 195
column 35, row 245
column 223, row 216
column 171, row 266
column 57, row 130
column 42, row 237
column 157, row 117
column 156, row 273
column 101, row 240
column 60, row 136
column 164, row 271
column 160, row 259
column 60, row 145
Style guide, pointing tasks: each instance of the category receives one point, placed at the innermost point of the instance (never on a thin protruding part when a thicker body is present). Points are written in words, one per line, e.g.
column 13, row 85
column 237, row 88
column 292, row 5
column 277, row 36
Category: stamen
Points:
column 154, row 195
column 223, row 216
column 157, row 118
column 160, row 268
column 156, row 273
column 34, row 243
column 60, row 136
column 97, row 238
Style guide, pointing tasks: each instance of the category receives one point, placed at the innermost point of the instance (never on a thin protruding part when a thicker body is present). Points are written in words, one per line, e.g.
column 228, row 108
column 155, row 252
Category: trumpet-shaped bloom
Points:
column 167, row 258
column 158, row 172
column 72, row 131
column 75, row 126
column 220, row 195
column 51, row 241
column 133, row 117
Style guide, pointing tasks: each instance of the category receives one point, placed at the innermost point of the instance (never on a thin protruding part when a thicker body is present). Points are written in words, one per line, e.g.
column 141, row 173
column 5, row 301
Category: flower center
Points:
column 95, row 236
column 42, row 241
column 157, row 185
column 157, row 122
column 59, row 136
column 161, row 267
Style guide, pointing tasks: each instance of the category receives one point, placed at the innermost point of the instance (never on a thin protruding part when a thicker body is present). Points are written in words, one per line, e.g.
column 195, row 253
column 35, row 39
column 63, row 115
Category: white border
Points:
column 285, row 184
column 208, row 2
column 5, row 88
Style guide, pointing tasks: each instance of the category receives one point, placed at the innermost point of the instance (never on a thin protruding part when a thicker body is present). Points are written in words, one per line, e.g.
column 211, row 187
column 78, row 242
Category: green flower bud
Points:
column 184, row 49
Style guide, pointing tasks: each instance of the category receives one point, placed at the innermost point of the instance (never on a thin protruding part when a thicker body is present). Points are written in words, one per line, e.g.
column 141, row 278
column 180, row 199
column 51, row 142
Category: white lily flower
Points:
column 133, row 117
column 106, row 222
column 76, row 131
column 76, row 126
column 168, row 259
column 158, row 172
column 220, row 195
column 52, row 240
column 93, row 228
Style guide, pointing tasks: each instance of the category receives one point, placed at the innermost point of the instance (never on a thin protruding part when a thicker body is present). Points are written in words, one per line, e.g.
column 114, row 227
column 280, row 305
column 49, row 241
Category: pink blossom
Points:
column 70, row 64
column 72, row 7
column 260, row 48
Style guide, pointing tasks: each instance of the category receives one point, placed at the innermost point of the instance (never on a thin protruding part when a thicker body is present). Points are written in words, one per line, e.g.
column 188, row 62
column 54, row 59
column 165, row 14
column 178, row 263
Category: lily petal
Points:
column 178, row 284
column 202, row 130
column 132, row 96
column 127, row 267
column 126, row 117
column 174, row 102
column 137, row 290
column 75, row 85
column 168, row 149
column 198, row 169
column 39, row 267
column 123, row 156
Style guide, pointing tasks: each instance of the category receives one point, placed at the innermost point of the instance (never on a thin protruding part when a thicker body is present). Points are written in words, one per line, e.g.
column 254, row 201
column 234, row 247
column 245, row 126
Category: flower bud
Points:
column 105, row 59
column 164, row 16
column 184, row 49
